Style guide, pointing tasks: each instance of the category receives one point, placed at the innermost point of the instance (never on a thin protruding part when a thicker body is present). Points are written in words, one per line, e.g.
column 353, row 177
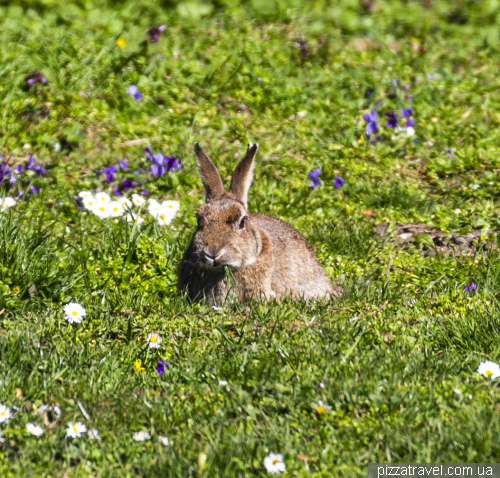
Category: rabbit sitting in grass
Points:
column 237, row 255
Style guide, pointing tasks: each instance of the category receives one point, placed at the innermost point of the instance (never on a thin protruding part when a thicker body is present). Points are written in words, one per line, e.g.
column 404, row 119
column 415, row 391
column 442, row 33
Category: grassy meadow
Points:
column 393, row 361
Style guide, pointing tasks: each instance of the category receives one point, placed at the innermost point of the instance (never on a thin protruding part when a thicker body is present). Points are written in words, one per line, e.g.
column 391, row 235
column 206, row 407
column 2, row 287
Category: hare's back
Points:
column 296, row 269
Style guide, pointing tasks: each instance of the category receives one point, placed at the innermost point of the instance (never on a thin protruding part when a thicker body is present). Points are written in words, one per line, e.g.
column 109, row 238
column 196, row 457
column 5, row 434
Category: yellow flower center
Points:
column 115, row 209
column 16, row 289
column 91, row 203
column 320, row 410
column 102, row 208
column 74, row 313
column 121, row 42
column 275, row 462
column 153, row 339
column 3, row 413
column 170, row 206
column 162, row 216
column 74, row 428
column 488, row 373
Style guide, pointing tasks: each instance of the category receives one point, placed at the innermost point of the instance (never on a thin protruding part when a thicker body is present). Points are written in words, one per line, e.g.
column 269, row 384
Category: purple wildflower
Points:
column 160, row 367
column 173, row 163
column 127, row 184
column 395, row 82
column 449, row 153
column 155, row 32
column 110, row 173
column 369, row 91
column 35, row 77
column 148, row 152
column 157, row 168
column 407, row 87
column 117, row 192
column 32, row 165
column 415, row 141
column 122, row 163
column 145, row 192
column 133, row 91
column 34, row 189
column 5, row 172
column 79, row 202
column 470, row 288
column 393, row 120
column 211, row 368
column 314, row 176
column 407, row 114
column 338, row 183
column 371, row 119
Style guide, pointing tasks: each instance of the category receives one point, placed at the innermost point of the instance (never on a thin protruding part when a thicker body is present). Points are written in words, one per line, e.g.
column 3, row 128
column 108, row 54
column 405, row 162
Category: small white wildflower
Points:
column 321, row 385
column 489, row 369
column 134, row 218
column 214, row 307
column 154, row 340
column 172, row 206
column 103, row 210
column 321, row 408
column 165, row 441
column 74, row 313
column 138, row 200
column 102, row 198
column 57, row 410
column 410, row 131
column 115, row 209
column 141, row 436
column 35, row 430
column 85, row 194
column 7, row 202
column 75, row 430
column 5, row 413
column 126, row 203
column 222, row 383
column 90, row 203
column 457, row 391
column 274, row 463
column 94, row 434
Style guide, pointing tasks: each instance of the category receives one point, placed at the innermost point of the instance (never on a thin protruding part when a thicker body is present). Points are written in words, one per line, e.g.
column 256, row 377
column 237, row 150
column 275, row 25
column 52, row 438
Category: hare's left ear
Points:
column 243, row 175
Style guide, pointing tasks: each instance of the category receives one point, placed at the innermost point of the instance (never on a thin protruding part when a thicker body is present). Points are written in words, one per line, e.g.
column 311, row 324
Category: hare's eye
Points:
column 241, row 224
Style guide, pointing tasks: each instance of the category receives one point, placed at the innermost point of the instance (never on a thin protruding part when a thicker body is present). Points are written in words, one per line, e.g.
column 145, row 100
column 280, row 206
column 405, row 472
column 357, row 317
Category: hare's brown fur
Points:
column 234, row 254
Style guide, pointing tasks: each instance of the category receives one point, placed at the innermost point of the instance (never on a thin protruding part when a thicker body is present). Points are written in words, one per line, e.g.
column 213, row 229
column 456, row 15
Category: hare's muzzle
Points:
column 214, row 258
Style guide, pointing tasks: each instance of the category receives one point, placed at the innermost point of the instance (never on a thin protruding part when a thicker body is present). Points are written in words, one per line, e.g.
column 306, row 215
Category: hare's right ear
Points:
column 243, row 175
column 209, row 174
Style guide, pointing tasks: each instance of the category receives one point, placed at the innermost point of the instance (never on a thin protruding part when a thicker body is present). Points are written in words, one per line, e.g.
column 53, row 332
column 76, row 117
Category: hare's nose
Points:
column 213, row 254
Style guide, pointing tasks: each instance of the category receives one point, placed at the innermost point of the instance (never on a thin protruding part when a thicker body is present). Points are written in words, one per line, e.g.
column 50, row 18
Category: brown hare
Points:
column 237, row 255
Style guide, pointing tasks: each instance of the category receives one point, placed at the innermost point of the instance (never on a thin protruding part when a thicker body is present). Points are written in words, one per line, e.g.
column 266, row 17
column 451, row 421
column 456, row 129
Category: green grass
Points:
column 386, row 356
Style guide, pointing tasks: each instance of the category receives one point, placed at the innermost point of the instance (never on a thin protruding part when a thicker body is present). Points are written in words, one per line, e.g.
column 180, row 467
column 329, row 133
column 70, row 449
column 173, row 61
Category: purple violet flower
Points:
column 393, row 120
column 449, row 153
column 160, row 367
column 155, row 32
column 122, row 163
column 133, row 91
column 395, row 82
column 34, row 189
column 371, row 119
column 35, row 77
column 369, row 91
column 127, row 184
column 407, row 114
column 79, row 202
column 110, row 173
column 314, row 177
column 173, row 163
column 211, row 368
column 470, row 288
column 117, row 192
column 338, row 183
column 145, row 192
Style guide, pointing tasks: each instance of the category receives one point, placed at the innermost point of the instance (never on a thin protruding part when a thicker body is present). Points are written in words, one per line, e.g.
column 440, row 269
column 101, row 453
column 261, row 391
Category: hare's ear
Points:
column 209, row 174
column 243, row 175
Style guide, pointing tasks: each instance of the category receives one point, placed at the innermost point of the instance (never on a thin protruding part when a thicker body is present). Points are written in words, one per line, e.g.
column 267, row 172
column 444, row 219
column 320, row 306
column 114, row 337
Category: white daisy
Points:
column 154, row 340
column 35, row 430
column 141, row 436
column 138, row 200
column 222, row 383
column 85, row 194
column 489, row 369
column 153, row 207
column 165, row 441
column 172, row 206
column 321, row 408
column 75, row 430
column 7, row 202
column 90, row 203
column 5, row 413
column 274, row 463
column 74, row 313
column 94, row 434
column 115, row 209
column 134, row 218
column 102, row 210
column 126, row 203
column 164, row 217
column 102, row 197
column 410, row 131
